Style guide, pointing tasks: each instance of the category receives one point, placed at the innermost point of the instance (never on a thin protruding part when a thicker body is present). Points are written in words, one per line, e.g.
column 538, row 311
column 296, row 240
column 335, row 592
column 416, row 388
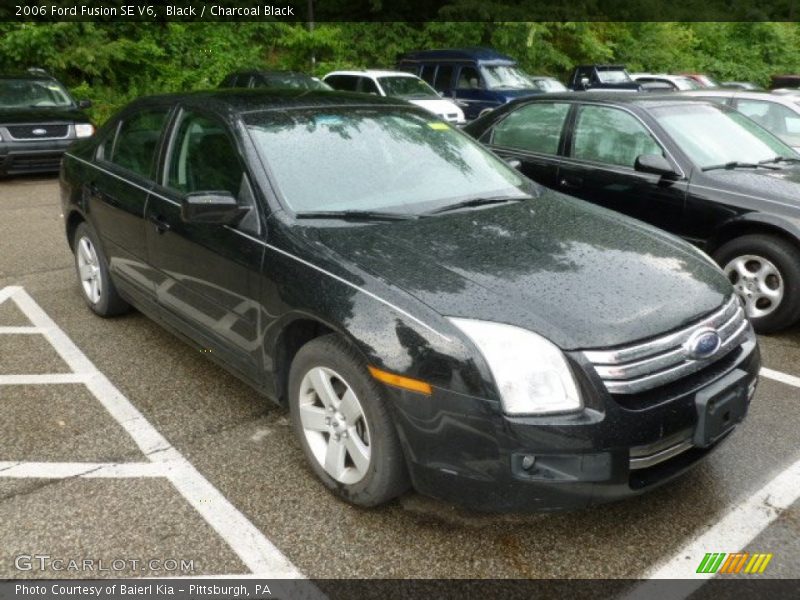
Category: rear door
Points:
column 209, row 274
column 118, row 193
column 602, row 148
column 533, row 135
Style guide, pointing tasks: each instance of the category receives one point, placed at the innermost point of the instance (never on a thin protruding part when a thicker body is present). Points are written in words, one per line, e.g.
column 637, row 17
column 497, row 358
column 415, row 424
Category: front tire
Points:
column 92, row 269
column 765, row 273
column 342, row 421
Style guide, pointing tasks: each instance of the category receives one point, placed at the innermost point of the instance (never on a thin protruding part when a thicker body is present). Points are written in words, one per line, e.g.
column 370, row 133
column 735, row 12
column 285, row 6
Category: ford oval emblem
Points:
column 39, row 131
column 703, row 343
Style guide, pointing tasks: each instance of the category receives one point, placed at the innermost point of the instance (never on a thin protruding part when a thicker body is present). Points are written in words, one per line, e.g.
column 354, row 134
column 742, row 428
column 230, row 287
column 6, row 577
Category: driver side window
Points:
column 204, row 159
column 611, row 136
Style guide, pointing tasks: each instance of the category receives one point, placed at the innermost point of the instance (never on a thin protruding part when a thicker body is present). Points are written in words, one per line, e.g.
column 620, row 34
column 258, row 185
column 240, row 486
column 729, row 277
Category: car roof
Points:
column 740, row 93
column 374, row 73
column 474, row 53
column 269, row 73
column 239, row 101
column 28, row 76
column 645, row 100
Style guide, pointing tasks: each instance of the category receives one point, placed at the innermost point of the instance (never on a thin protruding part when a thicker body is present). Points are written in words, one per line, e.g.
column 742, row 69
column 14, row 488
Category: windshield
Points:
column 16, row 93
column 376, row 160
column 506, row 78
column 549, row 85
column 406, row 87
column 293, row 82
column 618, row 76
column 713, row 136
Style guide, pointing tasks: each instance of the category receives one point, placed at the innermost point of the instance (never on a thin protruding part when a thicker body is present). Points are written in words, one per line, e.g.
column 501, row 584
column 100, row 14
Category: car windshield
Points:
column 549, row 85
column 711, row 135
column 376, row 159
column 16, row 93
column 503, row 77
column 406, row 87
column 294, row 82
column 613, row 76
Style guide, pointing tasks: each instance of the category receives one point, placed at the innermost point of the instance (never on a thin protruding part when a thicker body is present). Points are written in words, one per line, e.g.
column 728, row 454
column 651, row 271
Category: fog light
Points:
column 528, row 461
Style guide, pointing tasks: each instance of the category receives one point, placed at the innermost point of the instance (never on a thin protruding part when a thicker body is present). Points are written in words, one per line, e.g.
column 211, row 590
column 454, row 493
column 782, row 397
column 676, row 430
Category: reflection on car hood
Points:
column 10, row 116
column 580, row 275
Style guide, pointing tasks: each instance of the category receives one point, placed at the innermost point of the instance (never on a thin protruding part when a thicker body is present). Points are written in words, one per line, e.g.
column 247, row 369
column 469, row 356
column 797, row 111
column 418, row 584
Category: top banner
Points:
column 399, row 10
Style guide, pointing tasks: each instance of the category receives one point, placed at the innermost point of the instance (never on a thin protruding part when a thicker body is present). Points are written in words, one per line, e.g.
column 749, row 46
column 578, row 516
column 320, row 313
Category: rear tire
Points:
column 92, row 268
column 341, row 418
column 765, row 272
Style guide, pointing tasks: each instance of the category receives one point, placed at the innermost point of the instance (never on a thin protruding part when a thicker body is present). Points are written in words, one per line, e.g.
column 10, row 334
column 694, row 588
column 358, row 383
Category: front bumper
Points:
column 464, row 450
column 17, row 157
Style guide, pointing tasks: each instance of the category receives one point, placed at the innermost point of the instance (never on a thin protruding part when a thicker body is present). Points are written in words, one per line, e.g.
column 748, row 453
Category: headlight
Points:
column 83, row 130
column 531, row 373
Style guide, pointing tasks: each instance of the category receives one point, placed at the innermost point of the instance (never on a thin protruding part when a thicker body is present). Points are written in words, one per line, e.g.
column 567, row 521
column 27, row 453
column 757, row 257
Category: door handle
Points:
column 571, row 182
column 160, row 224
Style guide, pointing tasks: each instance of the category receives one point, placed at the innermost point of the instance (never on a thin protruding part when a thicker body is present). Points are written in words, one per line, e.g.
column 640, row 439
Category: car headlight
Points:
column 84, row 130
column 531, row 373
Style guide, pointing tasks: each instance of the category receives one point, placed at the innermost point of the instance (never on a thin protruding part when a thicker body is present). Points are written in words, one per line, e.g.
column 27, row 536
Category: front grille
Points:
column 644, row 366
column 47, row 131
column 35, row 162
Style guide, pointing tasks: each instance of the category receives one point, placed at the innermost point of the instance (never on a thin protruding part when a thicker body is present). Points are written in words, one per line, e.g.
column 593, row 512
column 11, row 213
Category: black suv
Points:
column 39, row 120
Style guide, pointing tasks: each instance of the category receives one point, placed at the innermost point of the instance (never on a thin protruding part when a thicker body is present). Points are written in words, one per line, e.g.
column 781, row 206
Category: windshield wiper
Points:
column 778, row 159
column 478, row 202
column 356, row 215
column 735, row 164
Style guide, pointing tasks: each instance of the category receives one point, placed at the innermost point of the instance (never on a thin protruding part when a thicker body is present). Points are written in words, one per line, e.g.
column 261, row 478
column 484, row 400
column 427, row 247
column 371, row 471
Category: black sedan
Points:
column 431, row 317
column 38, row 122
column 696, row 169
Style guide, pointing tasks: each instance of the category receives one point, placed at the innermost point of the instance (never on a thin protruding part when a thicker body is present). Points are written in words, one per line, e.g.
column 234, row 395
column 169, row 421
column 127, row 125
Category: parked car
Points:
column 396, row 84
column 256, row 78
column 673, row 82
column 39, row 119
column 430, row 316
column 477, row 79
column 778, row 114
column 742, row 85
column 697, row 169
column 602, row 77
column 791, row 82
column 703, row 80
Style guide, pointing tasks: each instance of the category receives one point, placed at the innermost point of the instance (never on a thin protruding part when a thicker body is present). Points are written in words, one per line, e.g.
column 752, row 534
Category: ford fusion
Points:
column 431, row 318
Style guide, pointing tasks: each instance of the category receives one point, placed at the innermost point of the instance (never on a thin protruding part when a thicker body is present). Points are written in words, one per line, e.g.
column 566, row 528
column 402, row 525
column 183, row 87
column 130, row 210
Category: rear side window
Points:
column 444, row 78
column 137, row 141
column 774, row 117
column 534, row 128
column 611, row 136
column 345, row 83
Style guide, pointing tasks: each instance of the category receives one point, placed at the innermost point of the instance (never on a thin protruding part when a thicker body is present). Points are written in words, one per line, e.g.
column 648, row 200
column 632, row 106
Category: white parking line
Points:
column 737, row 528
column 256, row 552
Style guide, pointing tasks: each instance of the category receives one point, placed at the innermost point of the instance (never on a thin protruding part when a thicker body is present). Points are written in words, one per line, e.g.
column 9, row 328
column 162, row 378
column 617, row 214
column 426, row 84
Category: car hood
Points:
column 781, row 184
column 438, row 106
column 11, row 116
column 580, row 275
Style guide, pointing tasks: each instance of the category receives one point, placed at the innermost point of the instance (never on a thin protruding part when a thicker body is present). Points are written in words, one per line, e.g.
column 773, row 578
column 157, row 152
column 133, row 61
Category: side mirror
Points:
column 514, row 163
column 211, row 208
column 84, row 103
column 653, row 163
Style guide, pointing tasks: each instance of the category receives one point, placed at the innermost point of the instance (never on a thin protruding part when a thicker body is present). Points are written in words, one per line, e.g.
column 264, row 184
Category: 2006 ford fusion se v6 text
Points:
column 432, row 318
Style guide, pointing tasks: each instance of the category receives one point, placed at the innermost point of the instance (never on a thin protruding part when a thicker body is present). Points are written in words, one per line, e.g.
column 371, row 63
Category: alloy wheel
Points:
column 334, row 425
column 758, row 282
column 89, row 270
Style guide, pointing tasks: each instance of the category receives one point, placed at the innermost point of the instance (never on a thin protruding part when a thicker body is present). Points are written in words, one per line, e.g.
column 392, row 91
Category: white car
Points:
column 777, row 113
column 676, row 82
column 396, row 84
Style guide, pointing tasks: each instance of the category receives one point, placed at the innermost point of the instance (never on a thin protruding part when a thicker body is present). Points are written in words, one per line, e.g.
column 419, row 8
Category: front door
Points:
column 599, row 167
column 209, row 273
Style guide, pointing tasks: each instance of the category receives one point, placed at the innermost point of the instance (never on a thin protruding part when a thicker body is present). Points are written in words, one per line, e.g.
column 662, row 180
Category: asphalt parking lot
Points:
column 119, row 442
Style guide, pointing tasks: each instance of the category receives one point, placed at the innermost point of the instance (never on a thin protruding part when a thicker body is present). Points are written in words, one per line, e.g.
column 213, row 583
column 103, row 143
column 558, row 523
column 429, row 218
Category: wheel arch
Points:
column 757, row 223
column 74, row 219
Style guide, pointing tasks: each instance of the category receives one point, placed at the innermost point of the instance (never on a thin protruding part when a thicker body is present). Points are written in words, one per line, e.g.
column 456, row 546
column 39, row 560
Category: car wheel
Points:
column 341, row 418
column 765, row 273
column 92, row 268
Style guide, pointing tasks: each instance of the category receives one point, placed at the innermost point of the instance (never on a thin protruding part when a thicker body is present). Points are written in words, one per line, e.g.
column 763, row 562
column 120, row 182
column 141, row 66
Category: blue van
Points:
column 478, row 79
